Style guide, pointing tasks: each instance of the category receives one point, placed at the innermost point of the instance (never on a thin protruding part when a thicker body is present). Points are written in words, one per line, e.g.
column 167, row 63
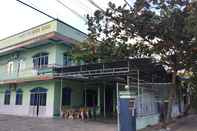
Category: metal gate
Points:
column 127, row 113
column 38, row 97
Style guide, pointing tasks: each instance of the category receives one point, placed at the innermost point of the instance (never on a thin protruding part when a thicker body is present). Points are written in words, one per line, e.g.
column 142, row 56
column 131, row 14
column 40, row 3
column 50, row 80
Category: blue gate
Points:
column 127, row 113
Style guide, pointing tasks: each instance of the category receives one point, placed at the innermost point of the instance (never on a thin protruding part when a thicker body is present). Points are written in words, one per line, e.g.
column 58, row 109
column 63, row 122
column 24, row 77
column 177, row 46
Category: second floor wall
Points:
column 25, row 63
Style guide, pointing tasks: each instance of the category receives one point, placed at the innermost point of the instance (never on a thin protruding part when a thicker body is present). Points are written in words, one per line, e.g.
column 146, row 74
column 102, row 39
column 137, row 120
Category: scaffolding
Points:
column 138, row 76
column 143, row 79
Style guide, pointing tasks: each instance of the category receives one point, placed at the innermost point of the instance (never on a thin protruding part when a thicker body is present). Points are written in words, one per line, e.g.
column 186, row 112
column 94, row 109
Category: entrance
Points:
column 38, row 98
column 109, row 101
column 91, row 98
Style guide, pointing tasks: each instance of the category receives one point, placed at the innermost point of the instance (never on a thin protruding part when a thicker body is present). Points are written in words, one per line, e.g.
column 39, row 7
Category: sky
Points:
column 16, row 17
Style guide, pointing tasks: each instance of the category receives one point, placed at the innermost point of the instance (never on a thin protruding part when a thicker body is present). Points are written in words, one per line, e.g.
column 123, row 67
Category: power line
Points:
column 37, row 10
column 128, row 3
column 73, row 11
column 48, row 15
column 94, row 4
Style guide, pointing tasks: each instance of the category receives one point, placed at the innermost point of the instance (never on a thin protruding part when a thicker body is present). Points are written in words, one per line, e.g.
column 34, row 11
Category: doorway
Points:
column 38, row 97
column 91, row 98
column 109, row 101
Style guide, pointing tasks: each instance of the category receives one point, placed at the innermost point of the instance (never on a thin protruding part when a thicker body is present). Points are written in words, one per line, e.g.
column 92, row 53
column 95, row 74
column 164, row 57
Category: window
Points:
column 67, row 59
column 38, row 96
column 40, row 60
column 21, row 65
column 7, row 97
column 66, row 96
column 10, row 67
column 19, row 97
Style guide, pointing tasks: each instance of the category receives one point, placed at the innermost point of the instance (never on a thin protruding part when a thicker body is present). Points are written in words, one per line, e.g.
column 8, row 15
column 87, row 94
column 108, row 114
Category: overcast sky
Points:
column 16, row 17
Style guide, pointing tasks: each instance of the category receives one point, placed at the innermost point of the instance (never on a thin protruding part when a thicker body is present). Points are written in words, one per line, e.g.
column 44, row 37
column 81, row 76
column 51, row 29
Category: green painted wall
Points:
column 55, row 51
column 26, row 97
column 76, row 94
column 57, row 98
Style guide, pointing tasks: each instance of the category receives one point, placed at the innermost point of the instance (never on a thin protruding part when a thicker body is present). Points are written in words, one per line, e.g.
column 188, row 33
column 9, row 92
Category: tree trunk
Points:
column 171, row 97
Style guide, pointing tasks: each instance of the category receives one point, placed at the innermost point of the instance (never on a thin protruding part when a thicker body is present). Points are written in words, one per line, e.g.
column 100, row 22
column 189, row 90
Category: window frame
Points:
column 7, row 97
column 19, row 97
column 10, row 67
column 37, row 95
column 40, row 60
column 67, row 59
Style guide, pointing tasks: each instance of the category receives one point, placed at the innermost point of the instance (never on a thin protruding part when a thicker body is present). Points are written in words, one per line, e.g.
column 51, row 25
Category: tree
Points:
column 158, row 28
column 85, row 52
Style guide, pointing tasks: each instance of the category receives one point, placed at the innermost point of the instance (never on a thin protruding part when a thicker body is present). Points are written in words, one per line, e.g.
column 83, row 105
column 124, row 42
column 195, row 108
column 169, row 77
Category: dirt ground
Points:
column 15, row 123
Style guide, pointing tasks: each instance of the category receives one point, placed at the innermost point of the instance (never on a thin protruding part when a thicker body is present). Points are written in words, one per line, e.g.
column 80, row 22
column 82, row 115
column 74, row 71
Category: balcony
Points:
column 28, row 74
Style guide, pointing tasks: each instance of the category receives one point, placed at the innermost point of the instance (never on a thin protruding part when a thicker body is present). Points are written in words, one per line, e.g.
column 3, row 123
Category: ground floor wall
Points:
column 144, row 121
column 105, row 96
column 75, row 96
column 25, row 109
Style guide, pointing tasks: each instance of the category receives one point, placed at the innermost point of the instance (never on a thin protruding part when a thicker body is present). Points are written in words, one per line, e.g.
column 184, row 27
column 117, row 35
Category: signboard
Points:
column 29, row 34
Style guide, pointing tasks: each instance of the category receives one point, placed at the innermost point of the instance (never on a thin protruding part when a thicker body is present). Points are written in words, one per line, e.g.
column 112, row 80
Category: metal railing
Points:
column 26, row 73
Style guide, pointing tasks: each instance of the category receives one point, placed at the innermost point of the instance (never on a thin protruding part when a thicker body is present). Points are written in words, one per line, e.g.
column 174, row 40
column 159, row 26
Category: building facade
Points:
column 27, row 85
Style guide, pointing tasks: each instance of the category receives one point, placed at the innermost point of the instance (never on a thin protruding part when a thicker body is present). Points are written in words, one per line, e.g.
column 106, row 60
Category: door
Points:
column 91, row 98
column 109, row 101
column 38, row 97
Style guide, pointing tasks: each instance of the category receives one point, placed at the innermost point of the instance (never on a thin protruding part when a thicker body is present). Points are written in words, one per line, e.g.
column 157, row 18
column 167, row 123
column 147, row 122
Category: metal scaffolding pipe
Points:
column 117, row 106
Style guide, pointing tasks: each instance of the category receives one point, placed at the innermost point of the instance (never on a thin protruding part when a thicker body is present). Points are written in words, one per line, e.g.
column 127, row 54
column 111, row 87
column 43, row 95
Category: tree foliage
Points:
column 164, row 29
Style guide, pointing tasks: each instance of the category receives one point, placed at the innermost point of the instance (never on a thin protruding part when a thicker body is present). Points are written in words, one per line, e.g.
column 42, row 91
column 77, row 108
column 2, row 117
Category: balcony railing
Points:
column 27, row 73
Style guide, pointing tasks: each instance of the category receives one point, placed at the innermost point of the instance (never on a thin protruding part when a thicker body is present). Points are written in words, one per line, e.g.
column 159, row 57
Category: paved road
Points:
column 14, row 123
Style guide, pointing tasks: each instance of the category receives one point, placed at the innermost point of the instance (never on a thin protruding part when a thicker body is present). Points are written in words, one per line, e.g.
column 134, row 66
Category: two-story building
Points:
column 24, row 89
